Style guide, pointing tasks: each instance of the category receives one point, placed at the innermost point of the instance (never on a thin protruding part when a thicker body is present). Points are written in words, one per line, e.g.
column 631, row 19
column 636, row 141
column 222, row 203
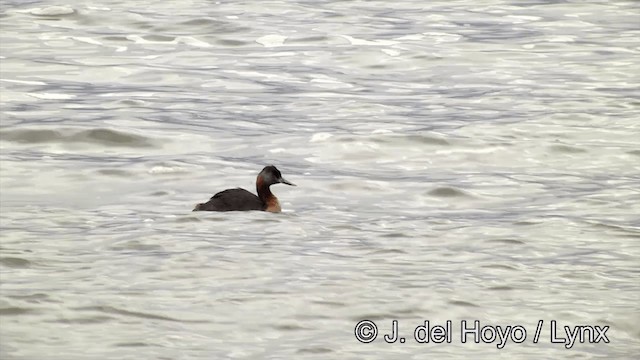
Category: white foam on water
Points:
column 50, row 11
column 25, row 82
column 51, row 96
column 271, row 40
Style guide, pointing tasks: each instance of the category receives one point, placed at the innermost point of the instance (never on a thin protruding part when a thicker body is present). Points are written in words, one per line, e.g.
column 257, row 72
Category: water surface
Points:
column 454, row 161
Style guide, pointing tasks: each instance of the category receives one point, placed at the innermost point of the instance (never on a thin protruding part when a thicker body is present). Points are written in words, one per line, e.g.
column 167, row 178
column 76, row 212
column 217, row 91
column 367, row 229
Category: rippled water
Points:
column 454, row 161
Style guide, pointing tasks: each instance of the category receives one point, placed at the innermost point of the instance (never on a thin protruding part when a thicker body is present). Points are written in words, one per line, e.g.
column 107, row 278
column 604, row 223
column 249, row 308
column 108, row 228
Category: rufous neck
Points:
column 263, row 190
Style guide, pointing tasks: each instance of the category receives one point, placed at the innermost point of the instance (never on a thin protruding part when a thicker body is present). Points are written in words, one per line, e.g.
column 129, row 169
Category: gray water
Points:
column 454, row 160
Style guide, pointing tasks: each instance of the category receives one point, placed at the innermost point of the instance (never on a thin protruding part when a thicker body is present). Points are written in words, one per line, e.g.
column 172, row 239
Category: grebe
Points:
column 242, row 200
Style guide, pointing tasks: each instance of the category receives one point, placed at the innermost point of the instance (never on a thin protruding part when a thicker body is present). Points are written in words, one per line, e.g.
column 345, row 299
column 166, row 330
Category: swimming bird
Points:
column 242, row 200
